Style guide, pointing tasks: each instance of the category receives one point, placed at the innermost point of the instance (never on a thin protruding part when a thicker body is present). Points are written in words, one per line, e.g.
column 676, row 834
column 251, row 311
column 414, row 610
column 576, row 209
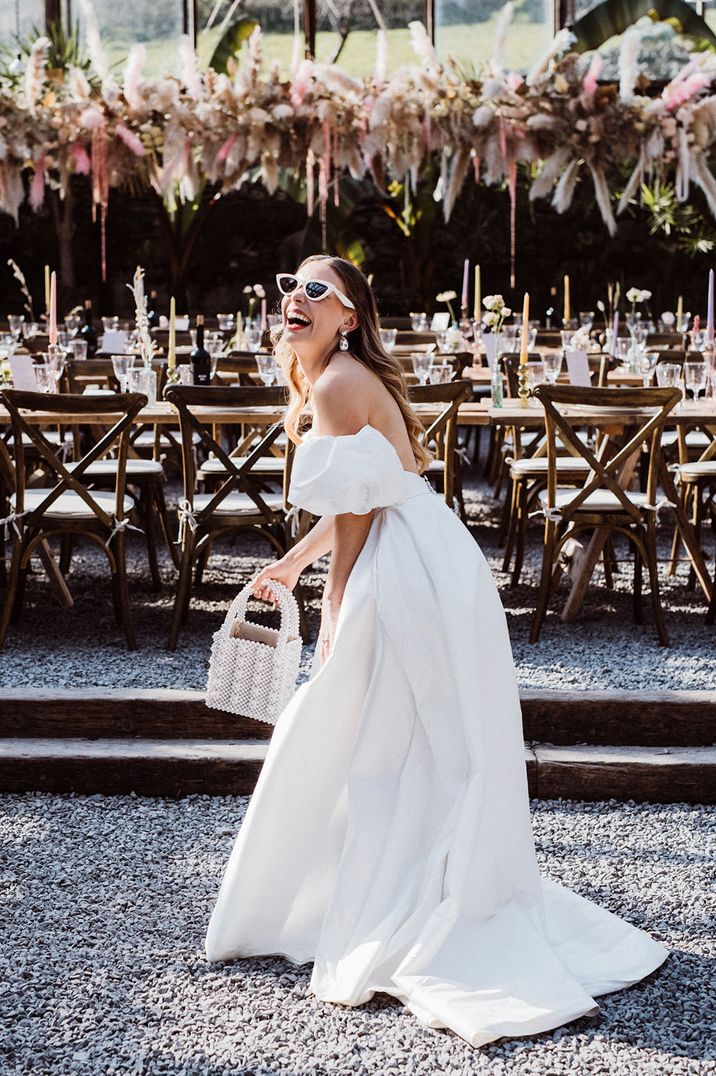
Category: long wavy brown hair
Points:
column 365, row 346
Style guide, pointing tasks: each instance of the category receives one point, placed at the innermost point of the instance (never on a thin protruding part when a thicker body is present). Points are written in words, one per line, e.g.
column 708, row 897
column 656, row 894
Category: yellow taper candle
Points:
column 567, row 310
column 477, row 311
column 679, row 313
column 172, row 347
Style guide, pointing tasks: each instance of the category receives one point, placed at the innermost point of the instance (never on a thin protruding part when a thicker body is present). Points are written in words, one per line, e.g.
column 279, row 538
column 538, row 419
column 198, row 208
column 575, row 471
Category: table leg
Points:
column 686, row 529
column 54, row 575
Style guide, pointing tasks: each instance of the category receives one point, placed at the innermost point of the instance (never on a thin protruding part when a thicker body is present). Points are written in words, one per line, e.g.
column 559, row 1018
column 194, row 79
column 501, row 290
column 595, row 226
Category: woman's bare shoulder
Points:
column 340, row 398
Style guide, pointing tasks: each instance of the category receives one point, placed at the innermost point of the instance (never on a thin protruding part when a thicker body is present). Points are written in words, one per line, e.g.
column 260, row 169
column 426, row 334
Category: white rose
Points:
column 645, row 295
column 633, row 295
column 506, row 311
column 259, row 290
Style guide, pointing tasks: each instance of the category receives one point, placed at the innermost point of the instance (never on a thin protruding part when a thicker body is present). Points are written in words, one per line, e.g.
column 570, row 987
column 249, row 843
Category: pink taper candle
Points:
column 263, row 315
column 465, row 283
column 710, row 311
column 52, row 328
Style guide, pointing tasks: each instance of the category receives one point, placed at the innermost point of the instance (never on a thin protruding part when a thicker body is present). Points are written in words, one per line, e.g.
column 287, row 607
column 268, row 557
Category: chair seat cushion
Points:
column 263, row 465
column 436, row 467
column 239, row 504
column 135, row 469
column 528, row 466
column 692, row 471
column 146, row 438
column 602, row 500
column 694, row 439
column 71, row 505
column 53, row 437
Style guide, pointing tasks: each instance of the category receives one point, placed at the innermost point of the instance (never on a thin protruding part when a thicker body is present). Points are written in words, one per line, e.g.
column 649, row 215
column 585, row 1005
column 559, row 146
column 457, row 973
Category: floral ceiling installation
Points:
column 176, row 132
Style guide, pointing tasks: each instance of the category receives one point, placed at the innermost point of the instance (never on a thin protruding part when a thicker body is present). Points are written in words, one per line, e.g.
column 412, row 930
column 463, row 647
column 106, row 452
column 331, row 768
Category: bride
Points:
column 388, row 840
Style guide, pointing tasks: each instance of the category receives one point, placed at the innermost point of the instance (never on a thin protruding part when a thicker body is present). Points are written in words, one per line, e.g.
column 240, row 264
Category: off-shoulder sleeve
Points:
column 351, row 473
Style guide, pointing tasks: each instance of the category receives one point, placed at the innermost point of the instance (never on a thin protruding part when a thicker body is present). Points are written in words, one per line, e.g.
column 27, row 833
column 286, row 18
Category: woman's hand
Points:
column 330, row 609
column 283, row 571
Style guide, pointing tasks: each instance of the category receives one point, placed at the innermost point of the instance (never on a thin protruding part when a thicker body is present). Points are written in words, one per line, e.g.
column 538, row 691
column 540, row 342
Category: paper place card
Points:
column 181, row 324
column 23, row 375
column 440, row 322
column 578, row 368
column 114, row 342
column 489, row 342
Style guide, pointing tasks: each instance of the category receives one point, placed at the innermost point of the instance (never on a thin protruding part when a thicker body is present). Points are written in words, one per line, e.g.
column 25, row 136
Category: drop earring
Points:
column 343, row 342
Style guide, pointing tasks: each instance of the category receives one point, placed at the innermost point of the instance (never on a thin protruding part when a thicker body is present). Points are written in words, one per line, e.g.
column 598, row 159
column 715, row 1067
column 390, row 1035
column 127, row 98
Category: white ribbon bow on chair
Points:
column 121, row 525
column 292, row 517
column 185, row 511
column 11, row 521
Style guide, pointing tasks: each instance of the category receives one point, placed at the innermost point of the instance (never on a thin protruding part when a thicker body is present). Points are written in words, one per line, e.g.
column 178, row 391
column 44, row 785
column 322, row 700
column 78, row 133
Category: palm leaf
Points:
column 613, row 17
column 226, row 54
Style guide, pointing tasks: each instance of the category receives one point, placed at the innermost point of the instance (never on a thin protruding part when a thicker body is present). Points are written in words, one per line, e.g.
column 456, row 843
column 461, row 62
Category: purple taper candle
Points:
column 710, row 310
column 465, row 283
column 615, row 330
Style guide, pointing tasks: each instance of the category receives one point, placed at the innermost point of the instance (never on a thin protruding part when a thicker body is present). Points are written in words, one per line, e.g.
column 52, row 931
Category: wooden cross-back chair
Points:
column 697, row 485
column 69, row 507
column 237, row 366
column 240, row 502
column 79, row 373
column 442, row 433
column 602, row 503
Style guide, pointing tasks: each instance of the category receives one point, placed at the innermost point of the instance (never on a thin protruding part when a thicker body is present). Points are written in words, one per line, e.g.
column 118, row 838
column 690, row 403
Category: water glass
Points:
column 8, row 344
column 44, row 378
column 552, row 366
column 682, row 323
column 646, row 364
column 78, row 348
column 639, row 334
column 388, row 338
column 63, row 339
column 441, row 373
column 419, row 321
column 422, row 365
column 535, row 374
column 122, row 364
column 566, row 337
column 144, row 379
column 668, row 375
column 252, row 339
column 624, row 346
column 698, row 340
column 226, row 322
column 267, row 368
column 31, row 330
column 586, row 319
column 695, row 374
column 15, row 322
column 72, row 324
column 110, row 324
column 186, row 374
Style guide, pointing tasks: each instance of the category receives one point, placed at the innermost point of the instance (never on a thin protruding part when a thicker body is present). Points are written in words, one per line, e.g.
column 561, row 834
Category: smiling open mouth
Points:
column 297, row 320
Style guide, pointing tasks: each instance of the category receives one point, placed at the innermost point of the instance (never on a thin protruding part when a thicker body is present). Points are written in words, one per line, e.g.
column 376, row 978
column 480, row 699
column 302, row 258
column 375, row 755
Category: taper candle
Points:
column 47, row 290
column 567, row 309
column 525, row 327
column 465, row 283
column 679, row 313
column 710, row 311
column 477, row 311
column 52, row 325
column 615, row 333
column 263, row 315
column 172, row 346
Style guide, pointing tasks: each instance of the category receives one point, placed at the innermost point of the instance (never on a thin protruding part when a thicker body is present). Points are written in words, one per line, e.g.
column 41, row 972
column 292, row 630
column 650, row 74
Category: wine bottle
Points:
column 200, row 357
column 88, row 333
column 153, row 312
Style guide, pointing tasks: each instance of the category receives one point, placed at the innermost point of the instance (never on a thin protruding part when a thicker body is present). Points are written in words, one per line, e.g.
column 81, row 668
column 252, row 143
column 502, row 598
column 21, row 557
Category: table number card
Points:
column 578, row 368
column 115, row 342
column 23, row 375
column 440, row 322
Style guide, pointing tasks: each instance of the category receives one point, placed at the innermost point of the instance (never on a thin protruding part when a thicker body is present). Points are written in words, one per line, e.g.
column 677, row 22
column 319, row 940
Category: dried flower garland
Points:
column 174, row 133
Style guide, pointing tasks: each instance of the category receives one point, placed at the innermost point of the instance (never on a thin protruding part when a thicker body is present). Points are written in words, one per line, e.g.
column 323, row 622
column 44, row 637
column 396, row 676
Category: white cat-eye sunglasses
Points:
column 315, row 290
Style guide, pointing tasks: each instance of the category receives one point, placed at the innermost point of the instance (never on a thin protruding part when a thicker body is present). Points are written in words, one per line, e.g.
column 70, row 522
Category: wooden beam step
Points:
column 170, row 767
column 645, row 774
column 646, row 719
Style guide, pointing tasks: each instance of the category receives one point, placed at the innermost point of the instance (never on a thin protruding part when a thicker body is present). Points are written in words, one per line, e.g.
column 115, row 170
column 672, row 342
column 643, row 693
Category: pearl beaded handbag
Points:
column 253, row 669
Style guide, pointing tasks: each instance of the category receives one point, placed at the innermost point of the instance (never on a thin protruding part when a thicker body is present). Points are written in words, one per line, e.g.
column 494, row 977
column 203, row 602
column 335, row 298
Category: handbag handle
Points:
column 286, row 602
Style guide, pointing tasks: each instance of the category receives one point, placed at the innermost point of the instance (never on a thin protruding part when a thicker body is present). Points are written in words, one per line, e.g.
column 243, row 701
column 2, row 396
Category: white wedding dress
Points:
column 388, row 839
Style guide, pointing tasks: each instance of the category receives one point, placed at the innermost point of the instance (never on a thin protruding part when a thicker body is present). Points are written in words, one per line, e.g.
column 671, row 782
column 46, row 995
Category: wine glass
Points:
column 566, row 337
column 252, row 339
column 110, row 324
column 422, row 365
column 552, row 366
column 122, row 364
column 15, row 322
column 419, row 321
column 535, row 374
column 388, row 338
column 624, row 346
column 646, row 364
column 668, row 375
column 267, row 368
column 586, row 319
column 226, row 322
column 78, row 349
column 72, row 324
column 695, row 374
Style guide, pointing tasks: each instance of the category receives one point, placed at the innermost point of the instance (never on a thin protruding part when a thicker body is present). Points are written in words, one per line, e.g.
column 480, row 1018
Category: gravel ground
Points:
column 106, row 899
column 604, row 649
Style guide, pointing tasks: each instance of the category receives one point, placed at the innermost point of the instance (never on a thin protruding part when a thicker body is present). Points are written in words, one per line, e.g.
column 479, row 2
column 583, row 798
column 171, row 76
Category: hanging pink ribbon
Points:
column 512, row 187
column 310, row 169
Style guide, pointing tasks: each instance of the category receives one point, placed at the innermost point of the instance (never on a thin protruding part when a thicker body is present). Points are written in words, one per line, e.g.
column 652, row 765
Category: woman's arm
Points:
column 315, row 544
